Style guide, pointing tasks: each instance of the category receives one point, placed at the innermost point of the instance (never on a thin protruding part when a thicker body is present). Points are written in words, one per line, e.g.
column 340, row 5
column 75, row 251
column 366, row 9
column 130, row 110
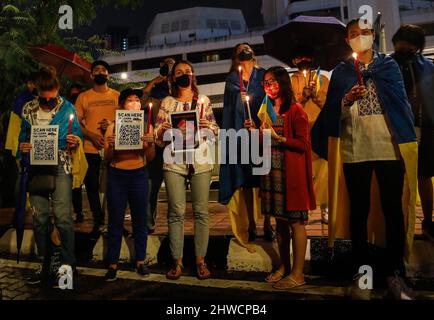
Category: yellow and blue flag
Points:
column 318, row 80
column 266, row 112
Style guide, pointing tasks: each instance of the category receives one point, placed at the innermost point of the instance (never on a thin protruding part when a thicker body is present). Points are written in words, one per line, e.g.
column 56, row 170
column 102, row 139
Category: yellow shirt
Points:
column 313, row 106
column 92, row 107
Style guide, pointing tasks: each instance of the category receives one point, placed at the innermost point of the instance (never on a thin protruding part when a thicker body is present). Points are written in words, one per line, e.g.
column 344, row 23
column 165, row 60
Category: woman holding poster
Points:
column 56, row 116
column 127, row 184
column 185, row 98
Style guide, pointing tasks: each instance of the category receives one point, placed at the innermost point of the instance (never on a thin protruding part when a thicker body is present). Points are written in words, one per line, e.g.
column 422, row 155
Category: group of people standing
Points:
column 364, row 127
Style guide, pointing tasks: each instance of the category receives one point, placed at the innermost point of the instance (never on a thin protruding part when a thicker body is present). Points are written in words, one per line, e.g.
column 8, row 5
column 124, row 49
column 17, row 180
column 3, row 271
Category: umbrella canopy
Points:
column 325, row 35
column 67, row 63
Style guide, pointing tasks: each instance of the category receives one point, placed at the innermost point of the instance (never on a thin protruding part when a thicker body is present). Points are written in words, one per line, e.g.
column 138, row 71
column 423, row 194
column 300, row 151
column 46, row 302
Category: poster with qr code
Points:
column 129, row 129
column 45, row 144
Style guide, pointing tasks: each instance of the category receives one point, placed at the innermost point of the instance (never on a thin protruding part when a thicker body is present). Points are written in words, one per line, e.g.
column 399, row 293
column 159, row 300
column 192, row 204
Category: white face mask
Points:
column 362, row 43
column 133, row 105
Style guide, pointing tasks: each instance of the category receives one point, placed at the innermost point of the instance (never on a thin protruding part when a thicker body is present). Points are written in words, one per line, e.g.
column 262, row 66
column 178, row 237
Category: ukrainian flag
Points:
column 318, row 79
column 266, row 112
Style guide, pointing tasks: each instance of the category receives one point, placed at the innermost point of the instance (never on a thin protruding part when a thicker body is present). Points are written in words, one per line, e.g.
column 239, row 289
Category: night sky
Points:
column 139, row 19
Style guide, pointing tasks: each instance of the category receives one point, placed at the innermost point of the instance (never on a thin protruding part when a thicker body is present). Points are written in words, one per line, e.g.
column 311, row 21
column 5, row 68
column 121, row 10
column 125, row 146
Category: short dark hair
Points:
column 412, row 34
column 352, row 23
column 100, row 63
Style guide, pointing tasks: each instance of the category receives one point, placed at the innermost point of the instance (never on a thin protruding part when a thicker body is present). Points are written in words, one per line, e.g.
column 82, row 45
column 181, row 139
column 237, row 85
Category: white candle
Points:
column 248, row 107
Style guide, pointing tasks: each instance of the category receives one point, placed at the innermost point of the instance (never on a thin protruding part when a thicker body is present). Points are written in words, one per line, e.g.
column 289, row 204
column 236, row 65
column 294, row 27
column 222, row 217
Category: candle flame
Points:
column 71, row 117
column 355, row 55
column 239, row 68
column 304, row 73
column 202, row 100
column 247, row 98
column 150, row 105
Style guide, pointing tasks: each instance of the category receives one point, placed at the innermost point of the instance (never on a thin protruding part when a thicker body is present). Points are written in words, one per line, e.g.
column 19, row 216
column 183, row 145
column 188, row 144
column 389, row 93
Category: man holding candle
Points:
column 370, row 129
column 311, row 93
column 96, row 109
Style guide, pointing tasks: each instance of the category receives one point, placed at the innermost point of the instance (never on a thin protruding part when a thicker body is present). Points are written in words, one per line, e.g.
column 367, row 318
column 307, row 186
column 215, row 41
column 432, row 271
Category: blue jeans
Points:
column 61, row 207
column 127, row 186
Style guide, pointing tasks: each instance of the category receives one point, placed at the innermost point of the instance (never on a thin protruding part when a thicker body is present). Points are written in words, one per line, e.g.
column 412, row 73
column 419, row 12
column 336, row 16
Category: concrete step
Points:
column 225, row 252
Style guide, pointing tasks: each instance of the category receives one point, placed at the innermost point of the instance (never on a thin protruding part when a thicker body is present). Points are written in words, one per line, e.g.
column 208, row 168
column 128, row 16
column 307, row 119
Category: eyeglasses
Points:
column 267, row 83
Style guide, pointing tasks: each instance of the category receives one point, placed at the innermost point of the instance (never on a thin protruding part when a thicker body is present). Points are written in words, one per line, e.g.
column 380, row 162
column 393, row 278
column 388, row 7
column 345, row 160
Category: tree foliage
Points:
column 24, row 23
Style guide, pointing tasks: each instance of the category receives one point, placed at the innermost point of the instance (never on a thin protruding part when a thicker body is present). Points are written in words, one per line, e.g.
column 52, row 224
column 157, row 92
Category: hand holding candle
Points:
column 357, row 67
column 149, row 117
column 248, row 107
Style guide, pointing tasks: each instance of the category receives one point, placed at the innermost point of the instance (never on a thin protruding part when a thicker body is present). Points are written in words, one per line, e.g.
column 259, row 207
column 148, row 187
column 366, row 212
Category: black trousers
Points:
column 390, row 177
column 91, row 181
column 77, row 201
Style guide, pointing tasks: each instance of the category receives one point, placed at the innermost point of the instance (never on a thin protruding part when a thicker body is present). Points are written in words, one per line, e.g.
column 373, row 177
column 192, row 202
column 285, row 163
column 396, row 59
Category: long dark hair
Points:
column 286, row 94
column 174, row 87
column 235, row 63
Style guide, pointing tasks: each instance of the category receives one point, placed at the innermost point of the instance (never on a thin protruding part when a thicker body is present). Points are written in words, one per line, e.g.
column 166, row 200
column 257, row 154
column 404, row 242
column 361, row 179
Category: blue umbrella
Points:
column 20, row 210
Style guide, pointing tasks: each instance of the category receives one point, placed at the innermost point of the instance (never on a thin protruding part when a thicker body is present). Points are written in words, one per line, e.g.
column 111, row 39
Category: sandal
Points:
column 287, row 284
column 271, row 278
column 176, row 272
column 203, row 271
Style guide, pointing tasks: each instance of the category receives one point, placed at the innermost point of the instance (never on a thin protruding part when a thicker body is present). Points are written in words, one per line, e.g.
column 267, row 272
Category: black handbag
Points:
column 42, row 179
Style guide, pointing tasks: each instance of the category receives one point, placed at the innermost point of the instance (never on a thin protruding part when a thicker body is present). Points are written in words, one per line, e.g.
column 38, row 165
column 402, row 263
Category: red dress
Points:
column 298, row 160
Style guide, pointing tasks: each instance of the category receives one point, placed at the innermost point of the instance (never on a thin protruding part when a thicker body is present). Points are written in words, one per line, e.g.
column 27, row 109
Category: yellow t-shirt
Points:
column 92, row 107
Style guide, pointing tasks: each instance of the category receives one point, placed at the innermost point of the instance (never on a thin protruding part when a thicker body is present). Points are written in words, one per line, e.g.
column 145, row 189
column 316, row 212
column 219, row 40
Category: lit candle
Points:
column 305, row 77
column 202, row 101
column 240, row 72
column 356, row 65
column 149, row 117
column 248, row 107
column 71, row 117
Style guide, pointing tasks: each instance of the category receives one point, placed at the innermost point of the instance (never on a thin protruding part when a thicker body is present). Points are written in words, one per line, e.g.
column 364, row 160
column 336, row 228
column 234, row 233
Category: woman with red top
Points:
column 287, row 191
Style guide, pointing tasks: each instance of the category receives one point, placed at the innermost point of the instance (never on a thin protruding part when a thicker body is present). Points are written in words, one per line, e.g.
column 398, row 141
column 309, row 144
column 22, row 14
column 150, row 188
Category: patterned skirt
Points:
column 273, row 187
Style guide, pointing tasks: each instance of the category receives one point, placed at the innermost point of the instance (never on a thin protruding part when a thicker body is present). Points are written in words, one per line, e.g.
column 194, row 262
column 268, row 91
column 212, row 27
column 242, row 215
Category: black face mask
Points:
column 404, row 56
column 245, row 55
column 183, row 81
column 100, row 79
column 51, row 103
column 305, row 65
column 164, row 70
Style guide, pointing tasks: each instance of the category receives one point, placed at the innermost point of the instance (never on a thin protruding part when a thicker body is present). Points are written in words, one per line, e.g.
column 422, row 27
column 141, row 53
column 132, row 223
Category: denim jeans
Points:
column 61, row 208
column 176, row 192
column 127, row 187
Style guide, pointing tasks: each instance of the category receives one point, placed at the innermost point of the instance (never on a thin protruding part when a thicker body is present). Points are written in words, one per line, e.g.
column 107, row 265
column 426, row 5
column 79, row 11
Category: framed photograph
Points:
column 186, row 123
column 129, row 129
column 45, row 145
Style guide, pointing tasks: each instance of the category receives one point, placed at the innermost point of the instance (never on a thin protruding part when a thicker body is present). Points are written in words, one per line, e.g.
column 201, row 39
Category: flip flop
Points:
column 268, row 279
column 283, row 285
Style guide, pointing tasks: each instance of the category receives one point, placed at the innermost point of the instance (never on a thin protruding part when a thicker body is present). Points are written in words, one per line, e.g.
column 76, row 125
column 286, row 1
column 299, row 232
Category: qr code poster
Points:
column 45, row 144
column 129, row 129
